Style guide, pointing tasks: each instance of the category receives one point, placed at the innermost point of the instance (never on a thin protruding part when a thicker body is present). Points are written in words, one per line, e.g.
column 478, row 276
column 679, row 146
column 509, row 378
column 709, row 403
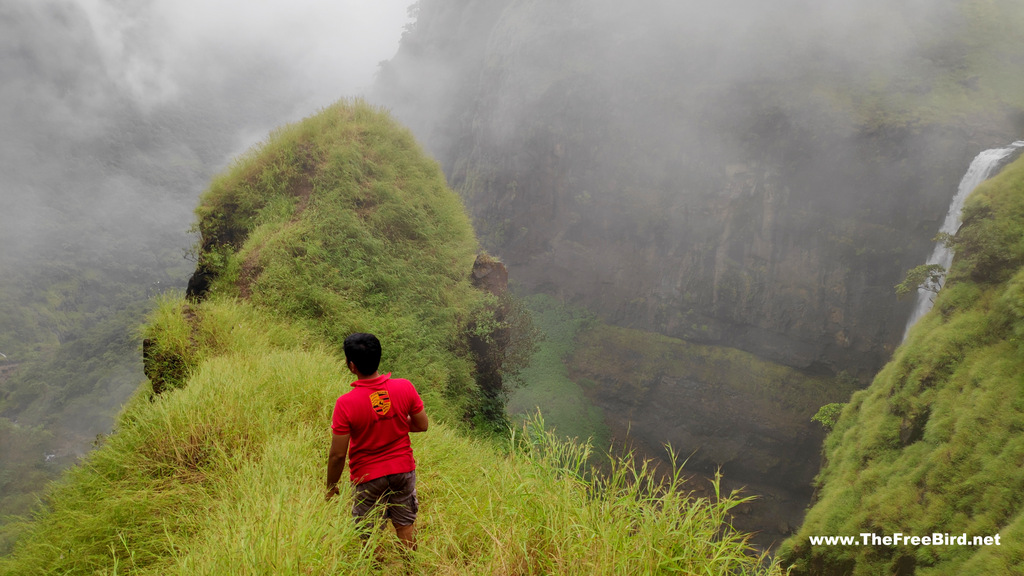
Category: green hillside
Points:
column 333, row 225
column 934, row 445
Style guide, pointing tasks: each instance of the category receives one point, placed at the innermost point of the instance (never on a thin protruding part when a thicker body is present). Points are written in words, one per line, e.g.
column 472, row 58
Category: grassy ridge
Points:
column 333, row 225
column 342, row 224
column 186, row 489
column 934, row 444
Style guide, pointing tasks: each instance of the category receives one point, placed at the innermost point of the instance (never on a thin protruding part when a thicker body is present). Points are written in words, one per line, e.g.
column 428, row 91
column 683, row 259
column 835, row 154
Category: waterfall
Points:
column 981, row 168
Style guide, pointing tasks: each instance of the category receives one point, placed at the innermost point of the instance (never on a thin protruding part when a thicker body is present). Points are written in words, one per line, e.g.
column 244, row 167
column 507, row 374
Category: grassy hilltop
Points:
column 934, row 445
column 337, row 224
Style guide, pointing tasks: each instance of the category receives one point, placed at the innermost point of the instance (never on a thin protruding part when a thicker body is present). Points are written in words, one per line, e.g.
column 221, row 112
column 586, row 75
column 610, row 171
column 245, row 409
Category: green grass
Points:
column 224, row 476
column 934, row 444
column 547, row 385
column 333, row 225
column 342, row 224
column 185, row 489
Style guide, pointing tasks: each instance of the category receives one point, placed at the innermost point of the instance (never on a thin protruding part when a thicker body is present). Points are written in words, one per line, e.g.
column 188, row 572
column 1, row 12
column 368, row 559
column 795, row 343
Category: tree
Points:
column 828, row 415
column 926, row 277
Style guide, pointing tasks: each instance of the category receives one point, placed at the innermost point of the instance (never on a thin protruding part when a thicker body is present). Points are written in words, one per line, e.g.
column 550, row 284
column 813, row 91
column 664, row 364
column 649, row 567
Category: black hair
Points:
column 364, row 351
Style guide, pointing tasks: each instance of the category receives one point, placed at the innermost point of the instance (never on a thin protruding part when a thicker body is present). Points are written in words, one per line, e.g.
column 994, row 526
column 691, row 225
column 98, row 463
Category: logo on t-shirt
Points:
column 381, row 402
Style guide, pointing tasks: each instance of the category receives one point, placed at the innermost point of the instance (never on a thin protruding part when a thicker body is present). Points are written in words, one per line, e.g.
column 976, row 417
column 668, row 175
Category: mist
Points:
column 750, row 175
column 677, row 46
column 662, row 104
column 199, row 81
column 753, row 176
column 113, row 117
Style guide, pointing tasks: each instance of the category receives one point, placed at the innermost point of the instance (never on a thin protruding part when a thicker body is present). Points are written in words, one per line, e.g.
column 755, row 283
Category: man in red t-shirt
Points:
column 371, row 425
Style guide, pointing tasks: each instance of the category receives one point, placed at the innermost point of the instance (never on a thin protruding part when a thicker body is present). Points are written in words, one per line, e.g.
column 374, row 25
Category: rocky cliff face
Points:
column 722, row 189
column 788, row 262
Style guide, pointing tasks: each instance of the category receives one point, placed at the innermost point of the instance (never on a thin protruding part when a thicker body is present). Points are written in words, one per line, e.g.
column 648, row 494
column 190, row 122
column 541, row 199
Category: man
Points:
column 371, row 425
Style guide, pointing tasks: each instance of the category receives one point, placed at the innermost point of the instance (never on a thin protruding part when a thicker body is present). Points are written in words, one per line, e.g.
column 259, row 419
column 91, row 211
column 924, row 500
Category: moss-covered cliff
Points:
column 935, row 444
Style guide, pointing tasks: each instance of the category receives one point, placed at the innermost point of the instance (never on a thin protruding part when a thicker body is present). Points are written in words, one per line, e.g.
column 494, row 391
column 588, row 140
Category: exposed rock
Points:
column 489, row 275
column 489, row 348
column 199, row 284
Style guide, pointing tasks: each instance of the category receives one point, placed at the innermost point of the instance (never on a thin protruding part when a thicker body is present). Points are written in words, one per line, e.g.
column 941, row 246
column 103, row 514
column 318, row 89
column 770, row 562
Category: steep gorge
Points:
column 755, row 177
column 741, row 189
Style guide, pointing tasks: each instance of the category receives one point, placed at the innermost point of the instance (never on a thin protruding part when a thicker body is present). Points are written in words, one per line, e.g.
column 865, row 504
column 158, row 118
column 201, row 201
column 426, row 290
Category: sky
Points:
column 153, row 49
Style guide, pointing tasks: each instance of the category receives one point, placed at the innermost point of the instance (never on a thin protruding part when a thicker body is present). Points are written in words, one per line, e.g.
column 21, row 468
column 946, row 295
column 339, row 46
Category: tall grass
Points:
column 225, row 476
column 341, row 224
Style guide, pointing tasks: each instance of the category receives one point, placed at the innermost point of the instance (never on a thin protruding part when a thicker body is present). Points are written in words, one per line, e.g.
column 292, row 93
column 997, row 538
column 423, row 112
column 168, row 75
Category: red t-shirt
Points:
column 376, row 414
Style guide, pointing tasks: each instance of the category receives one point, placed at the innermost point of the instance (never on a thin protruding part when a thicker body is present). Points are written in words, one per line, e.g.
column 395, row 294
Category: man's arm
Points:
column 418, row 421
column 336, row 462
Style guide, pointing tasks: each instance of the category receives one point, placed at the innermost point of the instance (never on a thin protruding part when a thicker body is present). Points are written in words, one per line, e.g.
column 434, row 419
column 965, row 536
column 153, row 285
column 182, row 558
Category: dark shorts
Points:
column 392, row 496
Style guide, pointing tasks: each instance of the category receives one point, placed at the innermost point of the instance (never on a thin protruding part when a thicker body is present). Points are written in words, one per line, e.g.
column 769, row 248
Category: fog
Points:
column 156, row 50
column 674, row 44
column 750, row 175
column 80, row 76
column 114, row 114
column 614, row 120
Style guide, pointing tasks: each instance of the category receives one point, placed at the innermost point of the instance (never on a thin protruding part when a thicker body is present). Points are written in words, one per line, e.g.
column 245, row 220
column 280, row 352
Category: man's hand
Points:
column 331, row 493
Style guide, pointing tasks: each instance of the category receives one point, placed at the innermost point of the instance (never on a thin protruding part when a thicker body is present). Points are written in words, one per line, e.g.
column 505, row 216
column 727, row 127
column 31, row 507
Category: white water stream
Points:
column 979, row 171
